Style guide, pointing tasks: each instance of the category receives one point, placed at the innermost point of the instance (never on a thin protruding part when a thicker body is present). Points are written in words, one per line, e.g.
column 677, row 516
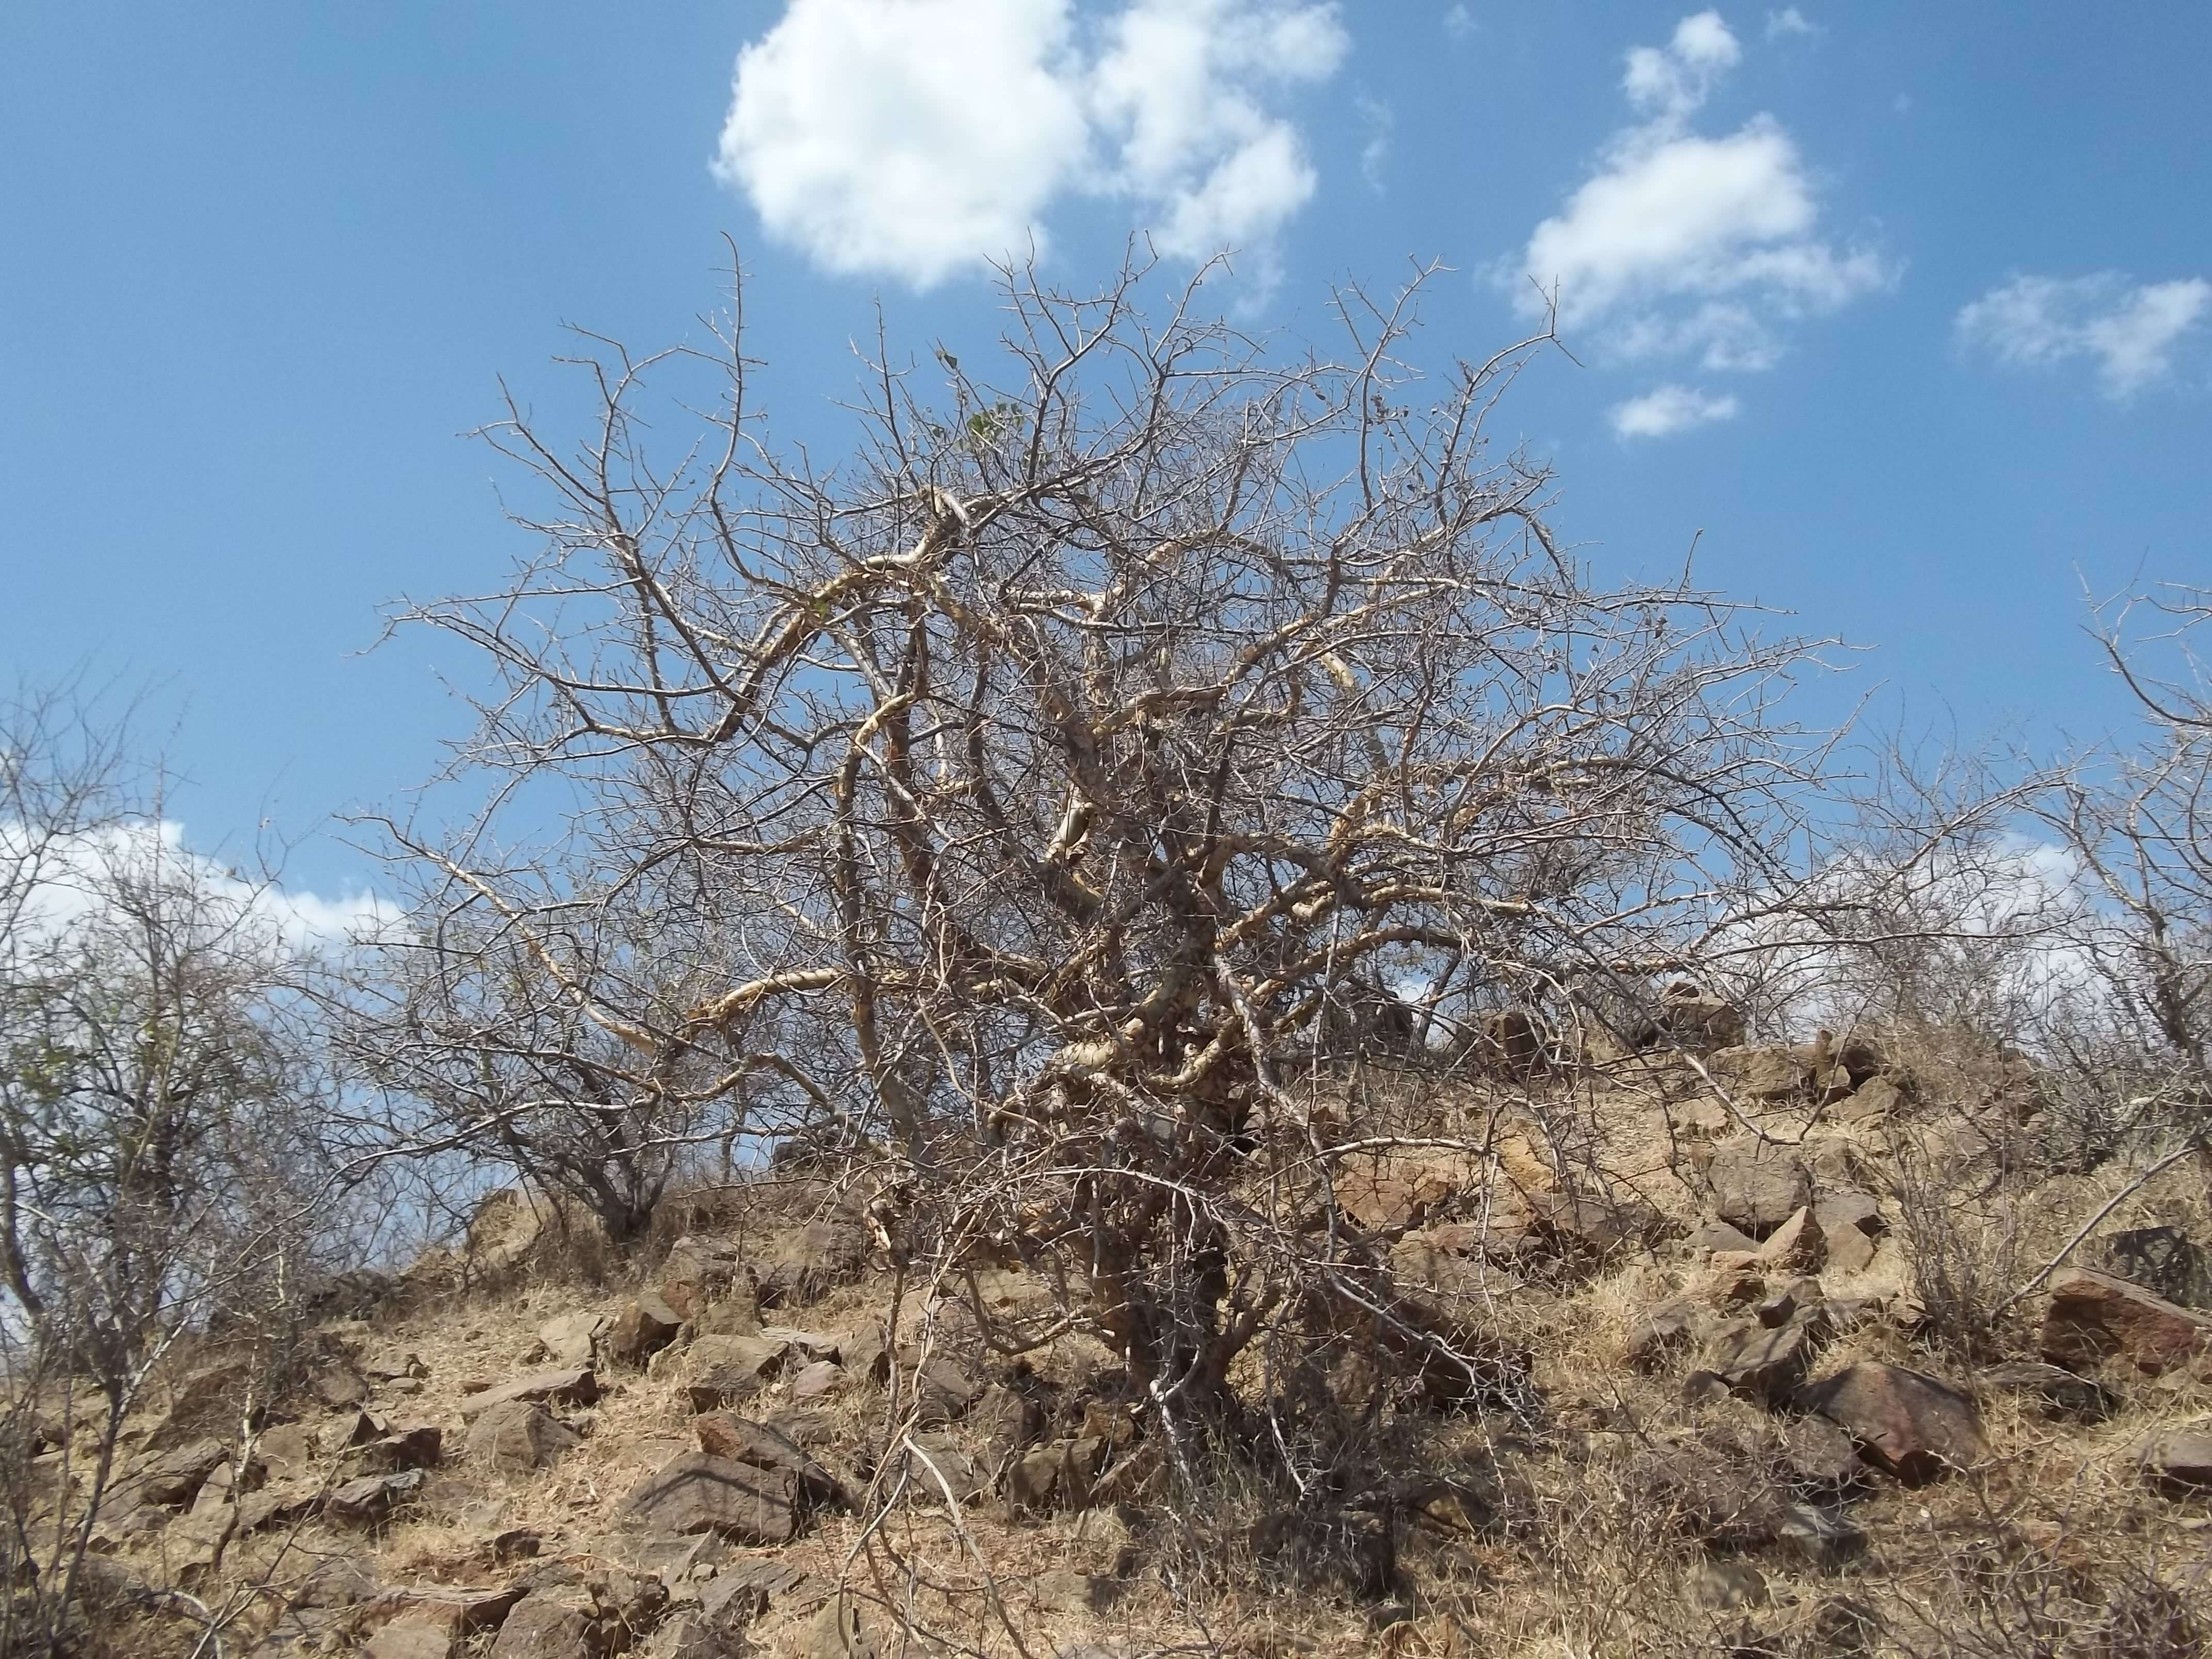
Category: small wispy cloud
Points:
column 2130, row 330
column 1667, row 409
column 1459, row 23
column 1787, row 21
column 1375, row 153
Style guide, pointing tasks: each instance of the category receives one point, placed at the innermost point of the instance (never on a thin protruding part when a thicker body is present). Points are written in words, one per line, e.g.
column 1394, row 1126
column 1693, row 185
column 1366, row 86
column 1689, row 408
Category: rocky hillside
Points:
column 1775, row 1351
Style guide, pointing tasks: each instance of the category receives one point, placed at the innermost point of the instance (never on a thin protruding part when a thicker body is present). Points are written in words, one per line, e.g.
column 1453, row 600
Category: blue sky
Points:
column 1907, row 308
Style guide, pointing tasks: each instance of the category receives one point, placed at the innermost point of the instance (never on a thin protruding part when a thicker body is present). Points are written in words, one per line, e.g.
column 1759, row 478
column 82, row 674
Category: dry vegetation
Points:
column 1156, row 1027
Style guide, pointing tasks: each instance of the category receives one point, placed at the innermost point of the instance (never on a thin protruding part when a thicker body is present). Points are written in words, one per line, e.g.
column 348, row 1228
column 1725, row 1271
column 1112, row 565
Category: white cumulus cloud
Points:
column 1683, row 244
column 918, row 138
column 65, row 882
column 2129, row 330
column 1667, row 409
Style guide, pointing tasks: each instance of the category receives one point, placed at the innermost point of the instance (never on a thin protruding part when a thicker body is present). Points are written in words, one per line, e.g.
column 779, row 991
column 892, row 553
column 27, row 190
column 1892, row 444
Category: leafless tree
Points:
column 1046, row 794
column 156, row 1103
column 2137, row 824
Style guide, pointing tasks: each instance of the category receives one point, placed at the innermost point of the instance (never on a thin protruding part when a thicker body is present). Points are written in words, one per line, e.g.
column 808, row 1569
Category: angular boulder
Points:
column 728, row 1370
column 1767, row 1363
column 1757, row 1185
column 2060, row 1392
column 371, row 1499
column 516, row 1436
column 642, row 1329
column 1906, row 1423
column 575, row 1386
column 697, row 1492
column 740, row 1440
column 1850, row 1223
column 2093, row 1317
column 573, row 1340
column 2178, row 1462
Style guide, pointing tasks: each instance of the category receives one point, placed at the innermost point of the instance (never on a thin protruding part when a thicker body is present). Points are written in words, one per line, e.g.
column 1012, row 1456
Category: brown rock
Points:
column 688, row 1635
column 572, row 1386
column 1719, row 1237
column 1906, row 1423
column 1055, row 1477
column 2179, row 1461
column 1796, row 1246
column 1768, row 1363
column 740, row 1440
column 642, row 1329
column 696, row 1492
column 371, row 1499
column 1764, row 1073
column 573, row 1340
column 1660, row 1333
column 1008, row 1423
column 865, row 1351
column 2062, row 1392
column 709, row 1282
column 1757, row 1185
column 174, row 1478
column 1790, row 1299
column 846, row 1628
column 1850, row 1222
column 731, row 1369
column 548, row 1626
column 1817, row 1456
column 417, row 1447
column 403, row 1638
column 515, row 1435
column 1873, row 1102
column 390, row 1365
column 1689, row 1019
column 457, row 1611
column 819, row 1380
column 944, row 1391
column 1597, row 1226
column 810, row 1347
column 2094, row 1316
column 339, row 1387
column 939, row 1457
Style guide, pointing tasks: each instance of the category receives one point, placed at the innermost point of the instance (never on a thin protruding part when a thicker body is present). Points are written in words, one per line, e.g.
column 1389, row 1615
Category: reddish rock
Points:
column 1906, row 1423
column 740, row 1440
column 2094, row 1316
